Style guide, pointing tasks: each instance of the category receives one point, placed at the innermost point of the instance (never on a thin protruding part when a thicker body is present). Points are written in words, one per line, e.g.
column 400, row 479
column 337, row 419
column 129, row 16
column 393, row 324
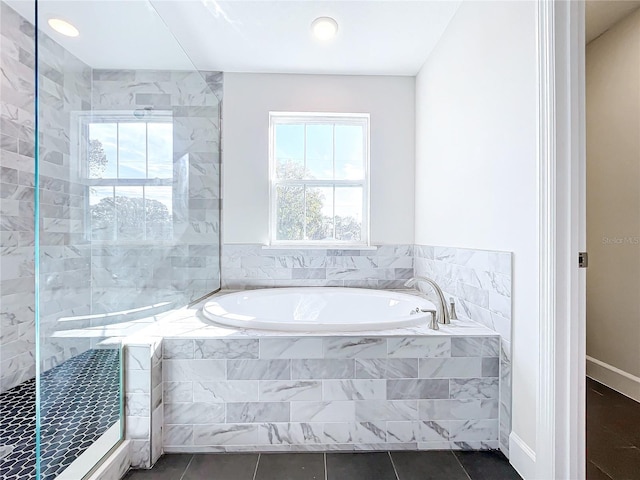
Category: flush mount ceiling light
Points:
column 63, row 27
column 324, row 28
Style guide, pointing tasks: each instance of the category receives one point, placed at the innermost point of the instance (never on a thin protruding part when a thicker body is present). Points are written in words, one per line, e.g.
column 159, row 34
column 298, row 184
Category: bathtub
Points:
column 317, row 309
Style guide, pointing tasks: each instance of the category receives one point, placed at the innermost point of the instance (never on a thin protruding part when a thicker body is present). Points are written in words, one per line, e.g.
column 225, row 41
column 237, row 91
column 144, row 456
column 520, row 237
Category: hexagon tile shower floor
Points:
column 79, row 402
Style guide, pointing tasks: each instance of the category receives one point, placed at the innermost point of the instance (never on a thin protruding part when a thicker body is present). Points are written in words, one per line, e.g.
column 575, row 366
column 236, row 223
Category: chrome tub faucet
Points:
column 442, row 315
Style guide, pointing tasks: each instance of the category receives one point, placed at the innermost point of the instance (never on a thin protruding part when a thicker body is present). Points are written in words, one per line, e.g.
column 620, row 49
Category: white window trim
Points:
column 83, row 119
column 283, row 118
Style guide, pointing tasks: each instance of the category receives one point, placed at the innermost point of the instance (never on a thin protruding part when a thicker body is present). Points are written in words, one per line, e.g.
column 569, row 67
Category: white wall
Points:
column 613, row 204
column 476, row 171
column 248, row 99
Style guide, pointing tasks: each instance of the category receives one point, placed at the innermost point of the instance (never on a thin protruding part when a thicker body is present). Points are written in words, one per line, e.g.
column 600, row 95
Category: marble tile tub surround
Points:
column 480, row 281
column 253, row 266
column 331, row 393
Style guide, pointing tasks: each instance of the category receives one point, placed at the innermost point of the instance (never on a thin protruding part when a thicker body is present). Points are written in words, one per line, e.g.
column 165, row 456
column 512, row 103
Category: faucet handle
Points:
column 434, row 321
column 452, row 314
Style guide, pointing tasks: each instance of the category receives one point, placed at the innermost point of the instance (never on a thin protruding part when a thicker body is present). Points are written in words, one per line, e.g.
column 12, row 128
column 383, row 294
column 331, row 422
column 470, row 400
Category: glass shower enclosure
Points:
column 121, row 172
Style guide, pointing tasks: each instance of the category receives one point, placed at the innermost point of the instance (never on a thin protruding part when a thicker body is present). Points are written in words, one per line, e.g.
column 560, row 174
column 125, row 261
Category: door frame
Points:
column 561, row 410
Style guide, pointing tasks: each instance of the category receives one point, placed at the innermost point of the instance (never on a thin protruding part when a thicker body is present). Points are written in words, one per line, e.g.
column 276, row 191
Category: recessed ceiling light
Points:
column 324, row 28
column 63, row 27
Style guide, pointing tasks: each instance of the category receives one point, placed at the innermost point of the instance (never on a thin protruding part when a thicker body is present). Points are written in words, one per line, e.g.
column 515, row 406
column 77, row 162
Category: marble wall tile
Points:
column 175, row 392
column 322, row 411
column 474, row 388
column 290, row 433
column 417, row 389
column 387, row 368
column 434, row 431
column 490, row 366
column 194, row 413
column 291, row 347
column 250, row 266
column 402, row 432
column 386, row 410
column 157, row 426
column 178, row 349
column 259, row 369
column 354, row 347
column 254, row 412
column 137, row 428
column 451, row 367
column 178, row 434
column 458, row 409
column 226, row 391
column 140, row 452
column 417, row 347
column 322, row 369
column 194, row 370
column 354, row 390
column 225, row 434
column 475, row 347
column 289, row 390
column 473, row 430
column 231, row 349
column 138, row 404
column 480, row 282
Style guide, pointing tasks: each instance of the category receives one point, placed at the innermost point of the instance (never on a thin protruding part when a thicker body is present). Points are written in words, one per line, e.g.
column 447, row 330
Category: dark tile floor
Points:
column 613, row 434
column 425, row 465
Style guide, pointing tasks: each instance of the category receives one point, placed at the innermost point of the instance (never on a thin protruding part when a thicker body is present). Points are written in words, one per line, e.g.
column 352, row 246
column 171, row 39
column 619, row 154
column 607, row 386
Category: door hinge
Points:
column 583, row 260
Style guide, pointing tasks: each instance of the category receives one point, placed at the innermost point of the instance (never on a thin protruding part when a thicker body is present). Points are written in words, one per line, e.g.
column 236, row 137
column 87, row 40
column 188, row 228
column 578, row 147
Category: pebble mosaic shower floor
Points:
column 80, row 401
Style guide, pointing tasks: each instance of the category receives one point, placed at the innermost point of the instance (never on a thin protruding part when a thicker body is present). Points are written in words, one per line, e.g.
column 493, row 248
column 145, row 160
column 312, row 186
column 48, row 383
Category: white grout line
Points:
column 395, row 470
column 188, row 465
column 255, row 472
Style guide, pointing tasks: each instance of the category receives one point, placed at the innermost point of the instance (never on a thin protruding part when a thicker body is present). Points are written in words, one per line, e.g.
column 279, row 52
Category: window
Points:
column 128, row 165
column 319, row 170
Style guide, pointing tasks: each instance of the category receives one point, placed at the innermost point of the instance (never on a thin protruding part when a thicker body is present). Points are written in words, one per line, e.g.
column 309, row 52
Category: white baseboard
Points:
column 619, row 380
column 522, row 457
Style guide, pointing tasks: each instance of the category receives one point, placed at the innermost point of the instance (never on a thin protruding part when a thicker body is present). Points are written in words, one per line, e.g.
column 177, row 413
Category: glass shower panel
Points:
column 128, row 210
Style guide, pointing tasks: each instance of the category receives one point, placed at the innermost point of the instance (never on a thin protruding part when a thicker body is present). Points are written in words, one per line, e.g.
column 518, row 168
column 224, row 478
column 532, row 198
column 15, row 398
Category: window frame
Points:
column 84, row 119
column 320, row 118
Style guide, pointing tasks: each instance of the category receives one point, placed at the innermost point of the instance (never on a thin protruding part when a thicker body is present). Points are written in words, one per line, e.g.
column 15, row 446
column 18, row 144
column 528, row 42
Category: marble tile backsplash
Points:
column 330, row 393
column 252, row 266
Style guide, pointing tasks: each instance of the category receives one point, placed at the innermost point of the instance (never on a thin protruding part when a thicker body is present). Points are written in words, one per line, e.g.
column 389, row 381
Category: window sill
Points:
column 319, row 247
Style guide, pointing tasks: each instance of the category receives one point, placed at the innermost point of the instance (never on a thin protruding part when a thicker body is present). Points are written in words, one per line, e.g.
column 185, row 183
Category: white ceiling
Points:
column 601, row 15
column 389, row 37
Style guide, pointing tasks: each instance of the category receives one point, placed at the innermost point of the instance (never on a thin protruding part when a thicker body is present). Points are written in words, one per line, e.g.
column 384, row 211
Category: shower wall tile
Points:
column 480, row 283
column 186, row 267
column 64, row 89
column 346, row 394
column 252, row 266
column 17, row 325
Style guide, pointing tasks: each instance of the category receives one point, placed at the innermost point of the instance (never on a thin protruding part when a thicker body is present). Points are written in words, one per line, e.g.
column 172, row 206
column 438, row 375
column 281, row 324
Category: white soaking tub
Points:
column 318, row 309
